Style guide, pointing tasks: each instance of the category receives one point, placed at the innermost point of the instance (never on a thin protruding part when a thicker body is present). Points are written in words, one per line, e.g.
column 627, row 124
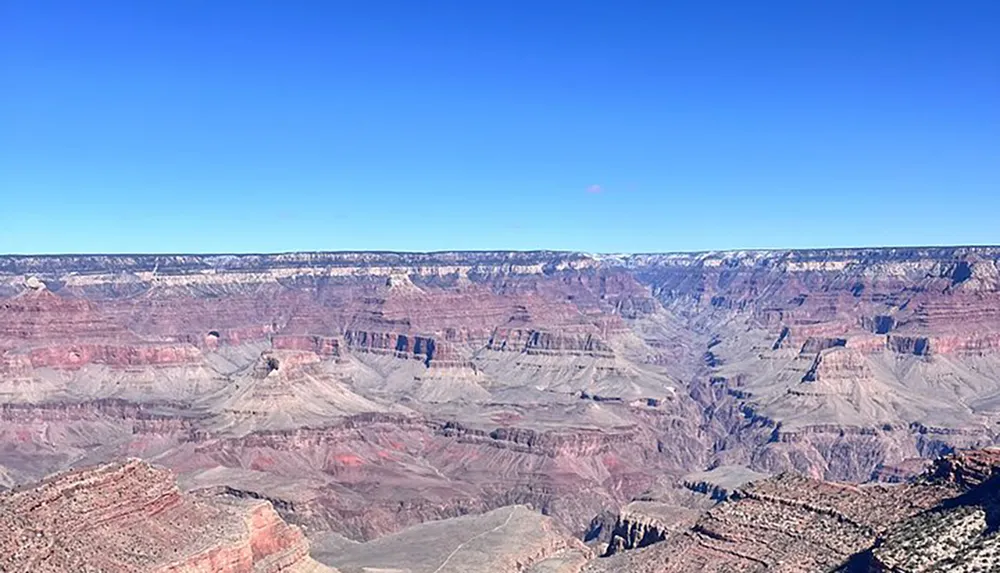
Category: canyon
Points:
column 505, row 411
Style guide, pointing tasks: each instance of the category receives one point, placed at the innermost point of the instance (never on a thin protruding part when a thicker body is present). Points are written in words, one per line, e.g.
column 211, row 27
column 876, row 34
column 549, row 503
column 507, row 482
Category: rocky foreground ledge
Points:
column 131, row 517
column 945, row 520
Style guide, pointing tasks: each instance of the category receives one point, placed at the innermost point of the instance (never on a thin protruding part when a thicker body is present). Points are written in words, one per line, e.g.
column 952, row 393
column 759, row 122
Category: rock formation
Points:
column 130, row 516
column 944, row 521
column 959, row 535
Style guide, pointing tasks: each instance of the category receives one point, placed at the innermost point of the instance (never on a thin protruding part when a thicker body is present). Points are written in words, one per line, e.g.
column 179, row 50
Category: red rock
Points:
column 326, row 346
column 131, row 517
column 76, row 355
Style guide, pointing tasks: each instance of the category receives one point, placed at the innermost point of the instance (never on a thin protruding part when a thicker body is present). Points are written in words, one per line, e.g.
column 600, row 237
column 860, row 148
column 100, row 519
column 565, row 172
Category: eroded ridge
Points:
column 787, row 523
column 131, row 517
column 958, row 536
column 945, row 520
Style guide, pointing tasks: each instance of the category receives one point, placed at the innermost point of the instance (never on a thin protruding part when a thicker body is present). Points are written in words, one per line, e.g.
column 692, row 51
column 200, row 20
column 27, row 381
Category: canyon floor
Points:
column 501, row 411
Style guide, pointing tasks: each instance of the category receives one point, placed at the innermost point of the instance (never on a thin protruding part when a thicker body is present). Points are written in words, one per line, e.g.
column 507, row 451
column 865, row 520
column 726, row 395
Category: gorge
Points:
column 361, row 405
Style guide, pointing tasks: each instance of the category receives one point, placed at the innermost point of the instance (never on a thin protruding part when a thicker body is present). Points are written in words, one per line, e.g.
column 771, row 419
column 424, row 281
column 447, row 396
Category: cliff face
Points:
column 958, row 535
column 943, row 521
column 640, row 524
column 131, row 517
column 968, row 469
column 326, row 474
column 542, row 342
column 788, row 523
column 368, row 392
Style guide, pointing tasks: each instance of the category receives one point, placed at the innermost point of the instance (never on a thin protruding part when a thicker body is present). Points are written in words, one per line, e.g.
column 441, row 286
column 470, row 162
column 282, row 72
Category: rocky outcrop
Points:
column 959, row 534
column 636, row 528
column 815, row 344
column 551, row 444
column 131, row 517
column 400, row 345
column 785, row 524
column 916, row 345
column 966, row 469
column 721, row 482
column 531, row 341
column 425, row 349
column 958, row 540
column 325, row 346
column 943, row 521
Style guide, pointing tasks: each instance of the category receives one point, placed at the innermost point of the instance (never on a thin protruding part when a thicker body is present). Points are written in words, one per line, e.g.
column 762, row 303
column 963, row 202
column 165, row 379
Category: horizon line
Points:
column 487, row 251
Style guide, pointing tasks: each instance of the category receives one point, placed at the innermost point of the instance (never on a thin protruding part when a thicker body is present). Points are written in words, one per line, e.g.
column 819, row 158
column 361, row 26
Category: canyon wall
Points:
column 365, row 393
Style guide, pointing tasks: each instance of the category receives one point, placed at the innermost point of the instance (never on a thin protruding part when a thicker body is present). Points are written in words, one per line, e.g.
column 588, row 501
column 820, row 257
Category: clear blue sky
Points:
column 249, row 126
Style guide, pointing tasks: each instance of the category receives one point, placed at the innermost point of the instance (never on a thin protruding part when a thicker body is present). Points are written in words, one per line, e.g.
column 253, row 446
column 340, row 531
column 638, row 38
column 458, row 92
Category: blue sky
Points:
column 252, row 126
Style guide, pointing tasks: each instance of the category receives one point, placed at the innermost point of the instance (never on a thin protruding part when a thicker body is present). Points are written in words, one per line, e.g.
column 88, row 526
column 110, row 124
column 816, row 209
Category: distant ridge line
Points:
column 564, row 252
column 550, row 261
